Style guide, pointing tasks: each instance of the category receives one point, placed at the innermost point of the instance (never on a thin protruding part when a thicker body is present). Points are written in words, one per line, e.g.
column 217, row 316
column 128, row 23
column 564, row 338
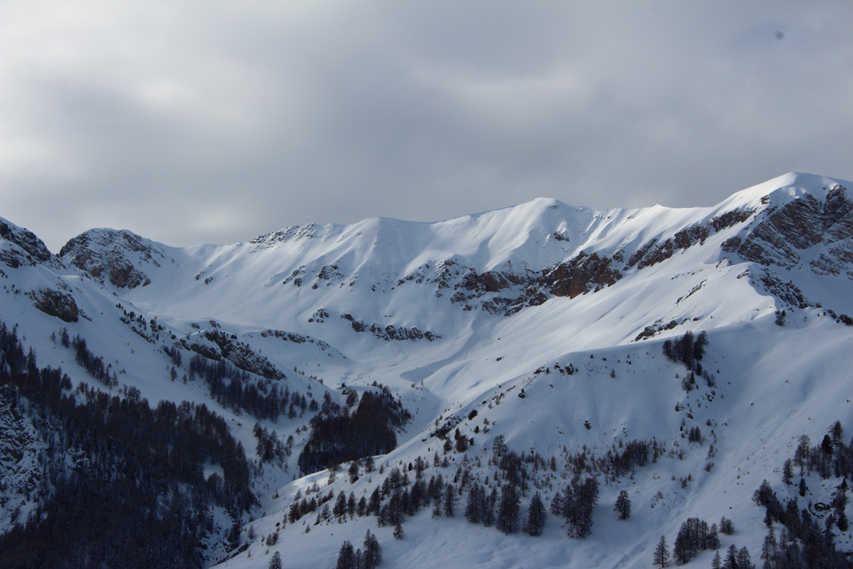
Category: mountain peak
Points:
column 114, row 256
column 19, row 246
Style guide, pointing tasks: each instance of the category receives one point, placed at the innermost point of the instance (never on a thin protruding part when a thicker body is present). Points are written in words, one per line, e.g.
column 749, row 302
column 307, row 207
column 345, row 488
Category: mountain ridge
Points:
column 542, row 324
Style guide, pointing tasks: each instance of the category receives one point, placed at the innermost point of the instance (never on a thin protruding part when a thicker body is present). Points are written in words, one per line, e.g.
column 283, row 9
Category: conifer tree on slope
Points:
column 661, row 555
column 535, row 517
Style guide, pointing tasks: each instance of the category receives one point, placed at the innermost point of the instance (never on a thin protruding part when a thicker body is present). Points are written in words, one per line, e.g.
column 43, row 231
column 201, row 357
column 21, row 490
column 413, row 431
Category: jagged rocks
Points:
column 55, row 303
column 787, row 292
column 786, row 233
column 23, row 247
column 227, row 347
column 649, row 255
column 655, row 329
column 580, row 275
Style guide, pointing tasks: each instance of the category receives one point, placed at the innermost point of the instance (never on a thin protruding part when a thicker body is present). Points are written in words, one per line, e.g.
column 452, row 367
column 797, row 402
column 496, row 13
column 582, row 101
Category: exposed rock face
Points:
column 786, row 234
column 649, row 254
column 580, row 275
column 55, row 303
column 225, row 346
column 22, row 247
column 106, row 256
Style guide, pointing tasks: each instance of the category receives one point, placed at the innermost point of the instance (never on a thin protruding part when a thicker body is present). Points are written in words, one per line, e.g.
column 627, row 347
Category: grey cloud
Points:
column 214, row 122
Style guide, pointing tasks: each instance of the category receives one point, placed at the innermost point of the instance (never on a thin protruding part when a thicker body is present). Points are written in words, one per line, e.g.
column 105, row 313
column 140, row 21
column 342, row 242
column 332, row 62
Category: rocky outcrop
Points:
column 652, row 253
column 582, row 274
column 19, row 247
column 390, row 332
column 112, row 256
column 55, row 303
column 786, row 234
column 223, row 346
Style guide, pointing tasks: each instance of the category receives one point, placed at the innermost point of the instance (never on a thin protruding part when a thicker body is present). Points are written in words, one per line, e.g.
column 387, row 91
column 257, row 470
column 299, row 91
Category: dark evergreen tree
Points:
column 744, row 561
column 579, row 503
column 716, row 562
column 535, row 517
column 731, row 561
column 450, row 501
column 275, row 561
column 557, row 504
column 713, row 538
column 372, row 555
column 508, row 509
column 623, row 505
column 474, row 505
column 661, row 554
column 788, row 473
column 488, row 516
column 770, row 549
column 340, row 508
column 346, row 557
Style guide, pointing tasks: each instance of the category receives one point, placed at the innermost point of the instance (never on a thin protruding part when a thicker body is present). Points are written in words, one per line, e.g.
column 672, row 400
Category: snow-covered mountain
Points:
column 541, row 327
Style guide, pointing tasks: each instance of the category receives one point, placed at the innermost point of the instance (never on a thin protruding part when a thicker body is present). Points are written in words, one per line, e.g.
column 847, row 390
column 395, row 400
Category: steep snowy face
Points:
column 19, row 247
column 116, row 257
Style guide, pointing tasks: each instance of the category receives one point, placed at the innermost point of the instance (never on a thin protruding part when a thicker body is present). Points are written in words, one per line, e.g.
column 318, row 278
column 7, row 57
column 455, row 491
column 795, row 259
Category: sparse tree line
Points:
column 808, row 536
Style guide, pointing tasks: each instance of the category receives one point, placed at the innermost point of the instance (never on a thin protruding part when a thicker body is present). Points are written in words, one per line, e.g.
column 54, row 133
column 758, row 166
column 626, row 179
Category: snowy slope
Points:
column 460, row 317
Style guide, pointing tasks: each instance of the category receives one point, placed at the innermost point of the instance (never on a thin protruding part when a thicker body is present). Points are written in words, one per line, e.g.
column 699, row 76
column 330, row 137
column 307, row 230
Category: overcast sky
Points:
column 194, row 122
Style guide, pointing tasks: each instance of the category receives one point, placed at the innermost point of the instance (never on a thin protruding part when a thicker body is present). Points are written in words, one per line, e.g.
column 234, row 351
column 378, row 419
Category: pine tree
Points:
column 623, row 505
column 508, row 510
column 661, row 555
column 743, row 559
column 372, row 555
column 488, row 516
column 731, row 558
column 788, row 473
column 535, row 517
column 398, row 531
column 474, row 505
column 275, row 562
column 578, row 506
column 713, row 538
column 346, row 557
column 450, row 501
column 716, row 562
column 769, row 549
column 557, row 504
column 340, row 507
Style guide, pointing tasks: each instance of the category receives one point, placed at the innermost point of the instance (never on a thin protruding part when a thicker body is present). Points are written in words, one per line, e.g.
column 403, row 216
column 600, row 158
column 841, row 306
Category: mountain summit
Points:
column 674, row 358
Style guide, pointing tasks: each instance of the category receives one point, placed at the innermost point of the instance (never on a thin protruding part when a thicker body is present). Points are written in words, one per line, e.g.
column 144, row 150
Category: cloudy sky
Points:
column 207, row 121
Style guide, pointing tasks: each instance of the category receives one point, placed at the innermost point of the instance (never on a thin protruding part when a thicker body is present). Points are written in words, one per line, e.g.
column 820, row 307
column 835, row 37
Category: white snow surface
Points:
column 773, row 383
